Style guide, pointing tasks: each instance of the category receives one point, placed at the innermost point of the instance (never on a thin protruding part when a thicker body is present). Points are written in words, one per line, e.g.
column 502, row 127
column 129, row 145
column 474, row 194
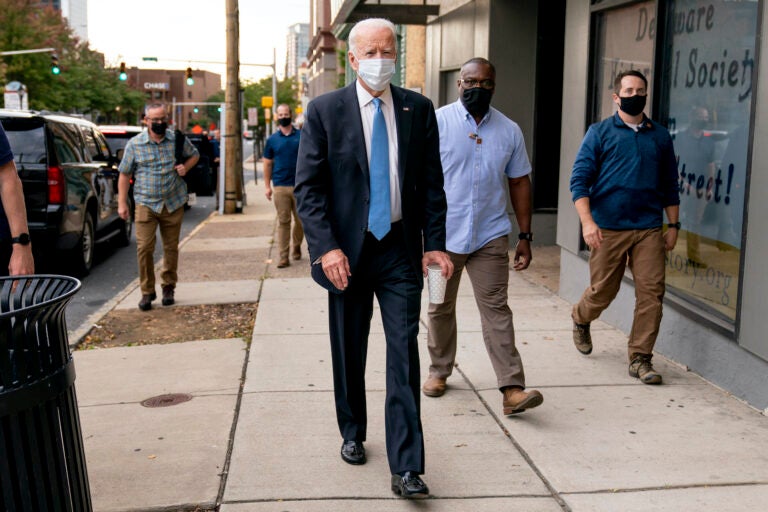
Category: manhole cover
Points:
column 166, row 400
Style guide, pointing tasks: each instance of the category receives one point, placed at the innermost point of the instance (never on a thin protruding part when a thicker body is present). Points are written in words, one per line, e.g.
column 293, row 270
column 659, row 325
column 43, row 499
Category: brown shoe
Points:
column 168, row 292
column 296, row 254
column 516, row 400
column 641, row 368
column 582, row 338
column 434, row 386
column 283, row 264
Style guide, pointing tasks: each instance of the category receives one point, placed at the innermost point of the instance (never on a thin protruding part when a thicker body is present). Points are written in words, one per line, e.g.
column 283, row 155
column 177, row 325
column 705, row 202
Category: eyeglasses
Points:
column 471, row 83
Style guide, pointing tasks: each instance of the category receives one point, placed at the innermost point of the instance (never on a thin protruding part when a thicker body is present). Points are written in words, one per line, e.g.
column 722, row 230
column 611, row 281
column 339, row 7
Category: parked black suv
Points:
column 118, row 136
column 201, row 179
column 70, row 186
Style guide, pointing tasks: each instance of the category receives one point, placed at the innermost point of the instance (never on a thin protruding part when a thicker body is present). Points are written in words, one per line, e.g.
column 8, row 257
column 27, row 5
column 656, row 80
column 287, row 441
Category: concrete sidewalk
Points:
column 259, row 432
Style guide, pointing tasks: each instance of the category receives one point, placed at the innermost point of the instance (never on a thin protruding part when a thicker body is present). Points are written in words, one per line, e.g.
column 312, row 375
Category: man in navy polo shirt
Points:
column 15, row 248
column 623, row 180
column 279, row 160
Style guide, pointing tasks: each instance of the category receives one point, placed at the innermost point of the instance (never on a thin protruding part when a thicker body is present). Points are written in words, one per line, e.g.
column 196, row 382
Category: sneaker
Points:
column 641, row 368
column 582, row 338
column 168, row 292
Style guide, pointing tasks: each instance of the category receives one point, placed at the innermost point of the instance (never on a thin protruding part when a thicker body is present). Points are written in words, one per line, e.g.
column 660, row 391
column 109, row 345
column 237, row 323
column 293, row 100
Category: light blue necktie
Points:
column 379, row 220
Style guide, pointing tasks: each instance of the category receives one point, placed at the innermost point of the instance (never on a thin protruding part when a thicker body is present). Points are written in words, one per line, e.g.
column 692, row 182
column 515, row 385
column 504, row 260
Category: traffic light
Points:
column 190, row 79
column 55, row 69
column 195, row 110
column 123, row 74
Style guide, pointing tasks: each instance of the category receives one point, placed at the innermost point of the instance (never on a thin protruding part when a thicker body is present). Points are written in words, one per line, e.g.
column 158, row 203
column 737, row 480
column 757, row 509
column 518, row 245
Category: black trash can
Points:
column 42, row 461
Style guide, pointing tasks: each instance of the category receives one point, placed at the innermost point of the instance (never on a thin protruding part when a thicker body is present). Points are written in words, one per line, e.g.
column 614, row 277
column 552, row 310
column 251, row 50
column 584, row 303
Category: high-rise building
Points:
column 297, row 46
column 75, row 12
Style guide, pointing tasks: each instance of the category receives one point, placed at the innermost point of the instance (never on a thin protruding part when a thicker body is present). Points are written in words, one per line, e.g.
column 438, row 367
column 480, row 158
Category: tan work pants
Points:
column 488, row 270
column 643, row 251
column 285, row 204
column 147, row 223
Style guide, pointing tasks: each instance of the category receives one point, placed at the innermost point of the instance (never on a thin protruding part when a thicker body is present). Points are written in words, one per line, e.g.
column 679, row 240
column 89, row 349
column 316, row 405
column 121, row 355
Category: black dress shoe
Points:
column 409, row 485
column 353, row 452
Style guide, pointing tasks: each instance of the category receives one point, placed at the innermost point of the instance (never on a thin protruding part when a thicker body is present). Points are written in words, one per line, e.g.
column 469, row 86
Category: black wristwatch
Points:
column 675, row 225
column 22, row 239
column 525, row 236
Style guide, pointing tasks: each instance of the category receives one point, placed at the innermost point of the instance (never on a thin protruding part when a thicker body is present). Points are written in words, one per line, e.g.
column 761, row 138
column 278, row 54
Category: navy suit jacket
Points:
column 332, row 179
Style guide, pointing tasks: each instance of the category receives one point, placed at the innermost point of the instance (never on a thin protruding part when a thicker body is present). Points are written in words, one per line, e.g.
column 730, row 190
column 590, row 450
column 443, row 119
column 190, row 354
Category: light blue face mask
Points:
column 376, row 73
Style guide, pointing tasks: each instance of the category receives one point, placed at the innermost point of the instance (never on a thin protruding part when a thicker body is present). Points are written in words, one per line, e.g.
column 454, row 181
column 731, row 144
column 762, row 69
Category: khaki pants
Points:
column 643, row 251
column 488, row 270
column 285, row 204
column 147, row 223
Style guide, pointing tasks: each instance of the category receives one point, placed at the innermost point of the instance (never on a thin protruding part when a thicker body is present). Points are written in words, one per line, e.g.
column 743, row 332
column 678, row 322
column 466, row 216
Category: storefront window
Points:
column 625, row 39
column 711, row 65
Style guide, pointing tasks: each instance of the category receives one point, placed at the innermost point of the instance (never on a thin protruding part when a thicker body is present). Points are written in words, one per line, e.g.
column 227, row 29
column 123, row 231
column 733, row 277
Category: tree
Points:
column 83, row 86
column 254, row 91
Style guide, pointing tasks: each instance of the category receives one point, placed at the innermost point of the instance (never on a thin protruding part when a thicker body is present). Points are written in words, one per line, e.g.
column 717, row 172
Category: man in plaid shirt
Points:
column 160, row 193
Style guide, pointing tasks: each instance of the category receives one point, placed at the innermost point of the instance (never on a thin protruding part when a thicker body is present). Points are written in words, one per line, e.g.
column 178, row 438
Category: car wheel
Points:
column 123, row 238
column 82, row 254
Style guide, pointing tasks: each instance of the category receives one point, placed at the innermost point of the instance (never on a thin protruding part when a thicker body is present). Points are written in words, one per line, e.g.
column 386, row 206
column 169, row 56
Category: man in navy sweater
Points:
column 623, row 180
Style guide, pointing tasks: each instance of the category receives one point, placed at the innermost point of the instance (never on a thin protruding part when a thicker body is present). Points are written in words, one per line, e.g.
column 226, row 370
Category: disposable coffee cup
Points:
column 436, row 284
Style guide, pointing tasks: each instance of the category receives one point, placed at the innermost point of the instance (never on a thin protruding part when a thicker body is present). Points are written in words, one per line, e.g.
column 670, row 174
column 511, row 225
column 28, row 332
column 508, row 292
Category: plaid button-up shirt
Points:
column 156, row 182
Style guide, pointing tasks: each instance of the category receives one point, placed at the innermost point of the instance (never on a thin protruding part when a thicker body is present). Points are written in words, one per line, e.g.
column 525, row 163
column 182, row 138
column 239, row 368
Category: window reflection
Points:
column 710, row 92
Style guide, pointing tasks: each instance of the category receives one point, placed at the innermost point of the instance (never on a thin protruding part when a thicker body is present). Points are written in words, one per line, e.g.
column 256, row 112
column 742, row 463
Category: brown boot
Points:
column 582, row 338
column 641, row 368
column 284, row 263
column 516, row 400
column 434, row 386
column 296, row 253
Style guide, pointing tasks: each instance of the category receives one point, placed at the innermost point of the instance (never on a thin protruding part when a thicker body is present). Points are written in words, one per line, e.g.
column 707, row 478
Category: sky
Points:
column 180, row 33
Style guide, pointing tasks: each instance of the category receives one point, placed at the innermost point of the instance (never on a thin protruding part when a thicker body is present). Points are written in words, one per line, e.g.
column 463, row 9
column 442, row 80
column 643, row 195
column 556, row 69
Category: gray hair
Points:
column 370, row 23
column 153, row 106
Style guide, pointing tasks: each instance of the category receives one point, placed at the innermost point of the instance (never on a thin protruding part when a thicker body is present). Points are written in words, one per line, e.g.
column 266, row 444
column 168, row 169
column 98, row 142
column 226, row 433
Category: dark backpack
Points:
column 179, row 148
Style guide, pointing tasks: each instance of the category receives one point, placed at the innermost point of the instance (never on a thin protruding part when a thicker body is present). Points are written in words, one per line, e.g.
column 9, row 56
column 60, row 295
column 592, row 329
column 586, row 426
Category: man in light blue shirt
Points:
column 484, row 159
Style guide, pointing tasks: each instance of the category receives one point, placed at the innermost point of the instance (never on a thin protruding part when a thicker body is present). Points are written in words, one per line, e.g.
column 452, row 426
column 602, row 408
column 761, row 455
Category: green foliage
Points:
column 253, row 92
column 341, row 57
column 84, row 86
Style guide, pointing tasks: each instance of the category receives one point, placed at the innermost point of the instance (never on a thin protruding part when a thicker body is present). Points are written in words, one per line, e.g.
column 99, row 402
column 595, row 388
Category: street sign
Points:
column 266, row 101
column 253, row 116
column 267, row 114
column 16, row 96
column 149, row 59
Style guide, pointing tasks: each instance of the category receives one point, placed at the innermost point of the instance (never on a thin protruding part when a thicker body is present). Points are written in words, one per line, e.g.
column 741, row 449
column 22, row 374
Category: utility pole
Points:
column 233, row 147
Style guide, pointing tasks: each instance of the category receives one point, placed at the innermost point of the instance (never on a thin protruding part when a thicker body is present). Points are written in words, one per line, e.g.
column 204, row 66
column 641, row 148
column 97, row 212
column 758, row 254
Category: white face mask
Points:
column 376, row 73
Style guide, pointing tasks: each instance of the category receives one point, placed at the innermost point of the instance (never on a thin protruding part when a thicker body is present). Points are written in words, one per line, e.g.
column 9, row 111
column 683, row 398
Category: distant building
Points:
column 75, row 12
column 170, row 86
column 297, row 45
column 326, row 70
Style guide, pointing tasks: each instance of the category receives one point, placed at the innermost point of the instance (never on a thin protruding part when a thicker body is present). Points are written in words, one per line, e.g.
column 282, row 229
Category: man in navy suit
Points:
column 356, row 254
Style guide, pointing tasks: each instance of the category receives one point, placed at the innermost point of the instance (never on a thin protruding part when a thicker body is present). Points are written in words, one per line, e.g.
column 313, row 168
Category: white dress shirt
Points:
column 367, row 109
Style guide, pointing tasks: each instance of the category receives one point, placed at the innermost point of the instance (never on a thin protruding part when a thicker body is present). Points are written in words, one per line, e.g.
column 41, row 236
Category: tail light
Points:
column 56, row 185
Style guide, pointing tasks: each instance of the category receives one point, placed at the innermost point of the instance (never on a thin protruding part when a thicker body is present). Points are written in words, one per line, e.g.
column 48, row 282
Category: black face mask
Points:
column 284, row 121
column 159, row 128
column 477, row 100
column 633, row 105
